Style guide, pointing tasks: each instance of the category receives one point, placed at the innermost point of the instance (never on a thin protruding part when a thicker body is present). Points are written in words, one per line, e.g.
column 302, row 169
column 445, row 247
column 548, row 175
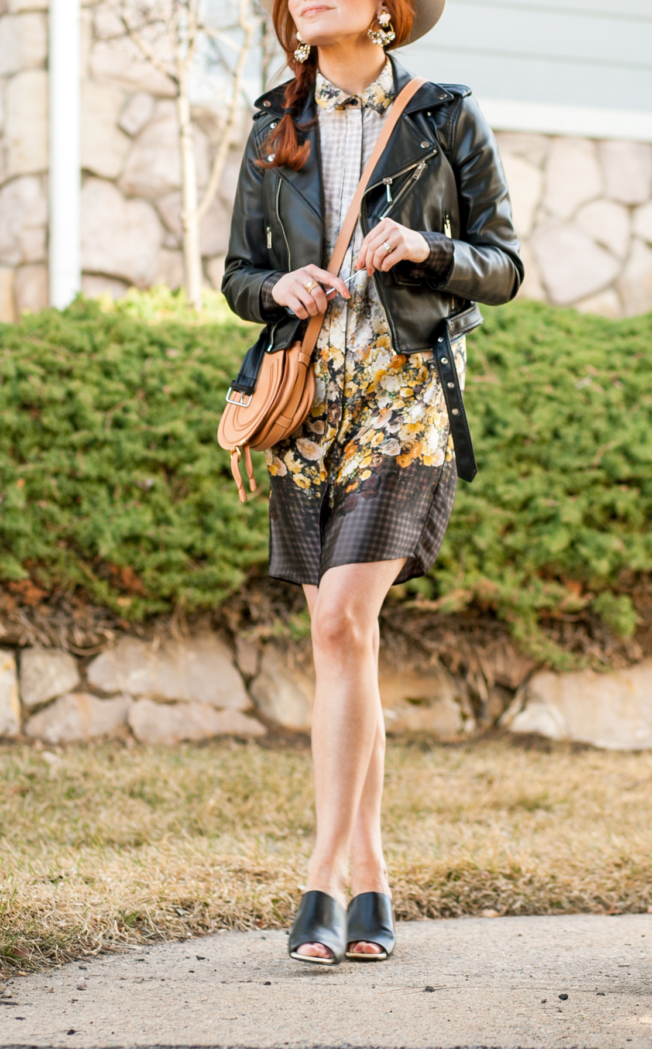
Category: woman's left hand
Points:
column 404, row 243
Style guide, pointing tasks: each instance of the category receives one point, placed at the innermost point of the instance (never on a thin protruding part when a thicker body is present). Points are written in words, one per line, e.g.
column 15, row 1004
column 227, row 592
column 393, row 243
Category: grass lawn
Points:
column 103, row 846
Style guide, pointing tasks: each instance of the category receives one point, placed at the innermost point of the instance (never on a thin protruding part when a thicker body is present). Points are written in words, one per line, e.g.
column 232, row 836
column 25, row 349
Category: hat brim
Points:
column 427, row 13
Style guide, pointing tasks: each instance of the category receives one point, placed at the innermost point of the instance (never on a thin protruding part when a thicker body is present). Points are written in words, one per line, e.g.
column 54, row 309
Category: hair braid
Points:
column 284, row 146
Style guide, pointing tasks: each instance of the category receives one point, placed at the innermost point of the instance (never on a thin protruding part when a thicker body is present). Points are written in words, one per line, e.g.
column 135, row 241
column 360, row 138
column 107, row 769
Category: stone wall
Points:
column 199, row 688
column 167, row 691
column 582, row 207
column 131, row 230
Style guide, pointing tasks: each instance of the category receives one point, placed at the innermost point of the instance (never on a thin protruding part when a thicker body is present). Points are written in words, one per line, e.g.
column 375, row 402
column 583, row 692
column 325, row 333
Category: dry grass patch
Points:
column 105, row 846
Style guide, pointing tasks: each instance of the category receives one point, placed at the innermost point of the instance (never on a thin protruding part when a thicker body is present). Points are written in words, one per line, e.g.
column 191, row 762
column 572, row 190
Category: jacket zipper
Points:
column 448, row 230
column 280, row 222
column 417, row 169
column 269, row 238
column 420, row 167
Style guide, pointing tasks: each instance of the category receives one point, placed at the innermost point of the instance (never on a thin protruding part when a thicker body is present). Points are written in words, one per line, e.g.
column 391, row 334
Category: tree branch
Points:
column 249, row 28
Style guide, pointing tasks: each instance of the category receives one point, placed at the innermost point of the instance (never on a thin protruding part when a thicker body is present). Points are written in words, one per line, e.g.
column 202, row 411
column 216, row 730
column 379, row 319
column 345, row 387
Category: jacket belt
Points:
column 459, row 425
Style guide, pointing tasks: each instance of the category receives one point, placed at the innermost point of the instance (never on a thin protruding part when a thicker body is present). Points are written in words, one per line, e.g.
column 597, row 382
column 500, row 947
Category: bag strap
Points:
column 348, row 226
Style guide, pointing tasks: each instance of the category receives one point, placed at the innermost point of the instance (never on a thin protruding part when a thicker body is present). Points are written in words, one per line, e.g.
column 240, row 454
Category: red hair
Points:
column 284, row 146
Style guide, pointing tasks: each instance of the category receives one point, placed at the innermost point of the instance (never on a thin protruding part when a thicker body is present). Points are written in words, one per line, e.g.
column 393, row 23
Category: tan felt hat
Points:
column 426, row 14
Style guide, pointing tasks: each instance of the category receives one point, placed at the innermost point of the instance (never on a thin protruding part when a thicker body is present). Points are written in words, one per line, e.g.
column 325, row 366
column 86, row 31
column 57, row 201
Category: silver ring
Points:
column 388, row 247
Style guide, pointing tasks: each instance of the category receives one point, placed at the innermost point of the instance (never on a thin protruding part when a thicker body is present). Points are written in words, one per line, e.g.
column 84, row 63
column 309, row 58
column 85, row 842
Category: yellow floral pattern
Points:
column 360, row 480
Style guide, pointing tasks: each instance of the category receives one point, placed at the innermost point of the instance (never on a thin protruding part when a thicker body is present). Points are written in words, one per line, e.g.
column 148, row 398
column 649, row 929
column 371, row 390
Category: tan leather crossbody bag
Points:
column 279, row 388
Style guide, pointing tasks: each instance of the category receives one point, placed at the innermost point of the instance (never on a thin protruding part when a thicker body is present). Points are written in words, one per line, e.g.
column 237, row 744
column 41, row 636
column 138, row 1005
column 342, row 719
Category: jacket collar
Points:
column 405, row 150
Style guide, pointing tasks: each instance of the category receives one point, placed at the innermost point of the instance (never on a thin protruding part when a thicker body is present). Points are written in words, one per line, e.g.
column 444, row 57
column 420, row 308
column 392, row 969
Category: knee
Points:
column 339, row 629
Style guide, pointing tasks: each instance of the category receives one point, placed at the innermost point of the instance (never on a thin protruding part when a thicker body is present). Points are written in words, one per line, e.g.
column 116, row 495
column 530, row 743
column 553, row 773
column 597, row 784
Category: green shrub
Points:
column 559, row 515
column 111, row 478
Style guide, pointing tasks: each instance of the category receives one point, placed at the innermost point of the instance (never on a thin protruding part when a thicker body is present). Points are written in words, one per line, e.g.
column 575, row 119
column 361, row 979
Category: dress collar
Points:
column 378, row 96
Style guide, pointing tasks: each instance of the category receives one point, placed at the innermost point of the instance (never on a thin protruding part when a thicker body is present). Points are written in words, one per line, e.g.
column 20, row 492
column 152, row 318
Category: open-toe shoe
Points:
column 371, row 920
column 320, row 919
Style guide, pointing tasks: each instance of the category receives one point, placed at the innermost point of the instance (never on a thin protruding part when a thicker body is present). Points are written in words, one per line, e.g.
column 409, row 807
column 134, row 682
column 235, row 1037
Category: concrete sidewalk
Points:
column 580, row 981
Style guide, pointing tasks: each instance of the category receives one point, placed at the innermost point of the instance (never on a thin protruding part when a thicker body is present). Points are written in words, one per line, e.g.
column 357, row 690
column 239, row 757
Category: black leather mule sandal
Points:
column 371, row 920
column 320, row 919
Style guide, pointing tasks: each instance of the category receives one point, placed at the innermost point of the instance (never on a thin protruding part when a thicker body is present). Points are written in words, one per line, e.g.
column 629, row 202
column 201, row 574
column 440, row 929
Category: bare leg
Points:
column 346, row 740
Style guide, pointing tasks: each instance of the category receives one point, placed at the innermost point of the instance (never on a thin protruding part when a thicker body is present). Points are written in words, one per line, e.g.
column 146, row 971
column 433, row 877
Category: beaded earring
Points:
column 383, row 36
column 302, row 53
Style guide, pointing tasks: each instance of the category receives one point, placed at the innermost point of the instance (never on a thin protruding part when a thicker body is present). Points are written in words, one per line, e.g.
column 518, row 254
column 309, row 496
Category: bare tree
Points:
column 169, row 34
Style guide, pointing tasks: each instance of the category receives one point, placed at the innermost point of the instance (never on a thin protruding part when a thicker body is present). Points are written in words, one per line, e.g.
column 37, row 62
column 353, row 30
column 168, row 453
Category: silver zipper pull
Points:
column 419, row 171
column 387, row 182
column 448, row 232
column 269, row 238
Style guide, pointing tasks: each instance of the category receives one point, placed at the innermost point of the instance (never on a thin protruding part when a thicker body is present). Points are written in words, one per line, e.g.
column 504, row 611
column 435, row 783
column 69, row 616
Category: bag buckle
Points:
column 243, row 402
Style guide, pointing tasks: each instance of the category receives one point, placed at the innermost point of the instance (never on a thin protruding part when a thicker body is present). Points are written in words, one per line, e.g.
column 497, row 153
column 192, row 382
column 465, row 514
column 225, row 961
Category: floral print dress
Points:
column 370, row 476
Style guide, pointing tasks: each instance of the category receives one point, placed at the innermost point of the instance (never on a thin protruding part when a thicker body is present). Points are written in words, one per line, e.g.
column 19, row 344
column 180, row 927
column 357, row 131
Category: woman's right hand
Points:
column 292, row 292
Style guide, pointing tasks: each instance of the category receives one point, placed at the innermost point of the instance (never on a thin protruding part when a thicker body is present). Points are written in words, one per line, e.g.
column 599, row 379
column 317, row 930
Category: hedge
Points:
column 111, row 479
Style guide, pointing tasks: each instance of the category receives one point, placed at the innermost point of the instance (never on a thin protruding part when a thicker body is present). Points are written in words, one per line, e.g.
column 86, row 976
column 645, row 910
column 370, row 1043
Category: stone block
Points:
column 169, row 208
column 571, row 264
column 531, row 147
column 282, row 692
column 420, row 702
column 441, row 718
column 635, row 285
column 137, row 111
column 7, row 301
column 169, row 723
column 120, row 238
column 78, row 716
column 605, row 303
column 525, row 183
column 23, row 218
column 95, row 286
column 31, row 289
column 104, row 146
column 46, row 673
column 26, row 124
column 531, row 288
column 28, row 5
column 627, row 170
column 229, row 181
column 170, row 269
column 23, row 42
column 9, row 704
column 198, row 670
column 608, row 224
column 247, row 655
column 540, row 719
column 611, row 710
column 215, row 271
column 119, row 62
column 154, row 164
column 572, row 174
column 215, row 230
column 643, row 222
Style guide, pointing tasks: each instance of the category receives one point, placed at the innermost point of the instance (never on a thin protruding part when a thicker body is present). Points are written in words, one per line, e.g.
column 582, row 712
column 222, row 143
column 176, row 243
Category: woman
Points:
column 361, row 494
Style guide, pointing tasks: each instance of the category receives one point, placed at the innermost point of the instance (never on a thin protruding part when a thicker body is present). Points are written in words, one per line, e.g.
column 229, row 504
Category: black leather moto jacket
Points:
column 444, row 170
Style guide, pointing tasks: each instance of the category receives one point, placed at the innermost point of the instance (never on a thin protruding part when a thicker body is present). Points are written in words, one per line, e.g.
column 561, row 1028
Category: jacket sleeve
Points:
column 247, row 265
column 486, row 263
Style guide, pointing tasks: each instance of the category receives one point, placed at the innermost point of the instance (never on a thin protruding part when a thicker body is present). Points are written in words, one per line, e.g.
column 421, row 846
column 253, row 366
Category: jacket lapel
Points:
column 307, row 182
column 409, row 143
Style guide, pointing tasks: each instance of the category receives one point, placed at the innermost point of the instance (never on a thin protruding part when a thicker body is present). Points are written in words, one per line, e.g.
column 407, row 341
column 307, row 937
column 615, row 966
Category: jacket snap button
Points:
column 273, row 123
column 424, row 145
column 455, row 411
column 444, row 360
column 451, row 385
column 267, row 103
